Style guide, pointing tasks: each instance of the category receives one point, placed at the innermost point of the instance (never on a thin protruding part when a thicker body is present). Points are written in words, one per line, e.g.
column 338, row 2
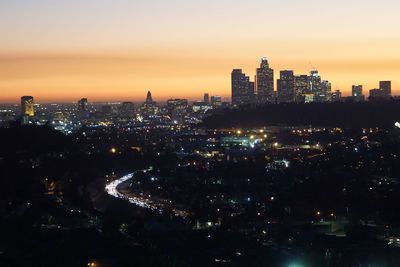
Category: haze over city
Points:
column 117, row 50
column 209, row 133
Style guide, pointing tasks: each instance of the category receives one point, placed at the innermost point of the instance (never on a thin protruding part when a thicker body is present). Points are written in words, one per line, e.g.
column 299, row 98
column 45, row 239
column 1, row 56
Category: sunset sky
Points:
column 62, row 50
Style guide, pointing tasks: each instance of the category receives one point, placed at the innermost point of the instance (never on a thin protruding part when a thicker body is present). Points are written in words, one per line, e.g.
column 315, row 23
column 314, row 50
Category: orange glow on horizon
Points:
column 118, row 50
column 113, row 77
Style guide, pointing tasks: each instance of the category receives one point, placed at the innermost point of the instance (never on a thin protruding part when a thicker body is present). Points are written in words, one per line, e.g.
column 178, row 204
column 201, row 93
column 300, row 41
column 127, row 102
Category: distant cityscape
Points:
column 297, row 176
column 291, row 88
column 199, row 133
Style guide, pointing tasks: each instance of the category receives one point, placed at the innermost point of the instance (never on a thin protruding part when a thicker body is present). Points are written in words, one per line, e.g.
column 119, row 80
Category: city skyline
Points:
column 118, row 50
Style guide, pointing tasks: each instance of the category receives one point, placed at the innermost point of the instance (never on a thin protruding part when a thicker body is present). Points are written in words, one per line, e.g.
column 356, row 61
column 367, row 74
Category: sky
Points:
column 114, row 50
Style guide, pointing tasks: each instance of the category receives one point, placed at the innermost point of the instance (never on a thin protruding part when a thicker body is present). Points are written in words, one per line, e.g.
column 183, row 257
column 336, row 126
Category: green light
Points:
column 295, row 265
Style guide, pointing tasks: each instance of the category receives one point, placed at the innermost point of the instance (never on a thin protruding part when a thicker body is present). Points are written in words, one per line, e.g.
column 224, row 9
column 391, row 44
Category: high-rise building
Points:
column 301, row 88
column 309, row 98
column 336, row 96
column 314, row 82
column 384, row 92
column 206, row 99
column 315, row 86
column 82, row 105
column 251, row 91
column 321, row 89
column 242, row 88
column 216, row 101
column 286, row 93
column 357, row 93
column 325, row 93
column 265, row 82
column 377, row 94
column 27, row 106
column 386, row 87
column 177, row 109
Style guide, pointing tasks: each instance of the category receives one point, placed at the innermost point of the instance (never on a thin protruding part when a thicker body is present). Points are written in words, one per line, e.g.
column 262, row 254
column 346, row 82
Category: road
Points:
column 118, row 189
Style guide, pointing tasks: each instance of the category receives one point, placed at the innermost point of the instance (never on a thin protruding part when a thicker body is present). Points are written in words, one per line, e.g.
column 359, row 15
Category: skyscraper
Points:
column 206, row 98
column 265, row 82
column 27, row 106
column 325, row 93
column 286, row 92
column 336, row 96
column 216, row 101
column 377, row 94
column 357, row 93
column 384, row 92
column 321, row 89
column 177, row 109
column 300, row 88
column 315, row 85
column 242, row 88
column 386, row 87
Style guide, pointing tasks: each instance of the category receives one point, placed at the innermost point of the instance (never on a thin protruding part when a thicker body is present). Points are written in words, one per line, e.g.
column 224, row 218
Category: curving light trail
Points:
column 141, row 201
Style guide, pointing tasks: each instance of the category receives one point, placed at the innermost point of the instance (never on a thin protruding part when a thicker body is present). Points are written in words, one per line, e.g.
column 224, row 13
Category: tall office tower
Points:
column 27, row 106
column 357, row 93
column 300, row 88
column 377, row 94
column 251, row 91
column 216, row 101
column 286, row 92
column 177, row 109
column 82, row 105
column 336, row 96
column 206, row 98
column 265, row 83
column 314, row 84
column 242, row 88
column 386, row 87
column 325, row 93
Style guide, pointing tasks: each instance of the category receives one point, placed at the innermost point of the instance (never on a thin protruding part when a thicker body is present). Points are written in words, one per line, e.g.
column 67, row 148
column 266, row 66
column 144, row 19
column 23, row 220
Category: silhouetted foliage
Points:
column 347, row 115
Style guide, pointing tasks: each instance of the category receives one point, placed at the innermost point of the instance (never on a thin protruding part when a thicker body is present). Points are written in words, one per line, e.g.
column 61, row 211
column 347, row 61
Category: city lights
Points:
column 158, row 133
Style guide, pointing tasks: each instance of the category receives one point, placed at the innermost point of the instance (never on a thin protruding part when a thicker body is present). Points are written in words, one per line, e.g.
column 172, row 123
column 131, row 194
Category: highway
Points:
column 155, row 204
